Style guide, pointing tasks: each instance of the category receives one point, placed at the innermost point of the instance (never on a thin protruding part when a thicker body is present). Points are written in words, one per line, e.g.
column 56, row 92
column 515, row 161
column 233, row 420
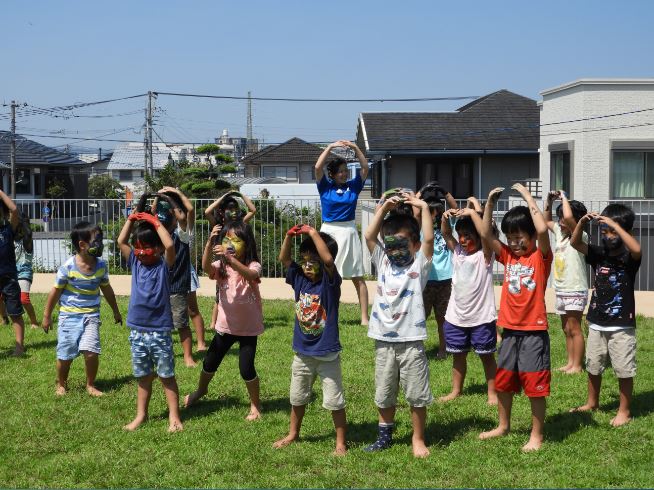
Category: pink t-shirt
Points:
column 239, row 309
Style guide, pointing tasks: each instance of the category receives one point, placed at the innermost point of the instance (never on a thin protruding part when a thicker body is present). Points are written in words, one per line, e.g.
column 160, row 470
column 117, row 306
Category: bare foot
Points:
column 340, row 451
column 564, row 369
column 574, row 370
column 19, row 350
column 492, row 399
column 440, row 355
column 202, row 348
column 190, row 363
column 191, row 398
column 134, row 424
column 254, row 414
column 175, row 426
column 534, row 444
column 621, row 419
column 60, row 390
column 285, row 441
column 497, row 432
column 93, row 391
column 420, row 450
column 449, row 397
column 33, row 326
column 584, row 408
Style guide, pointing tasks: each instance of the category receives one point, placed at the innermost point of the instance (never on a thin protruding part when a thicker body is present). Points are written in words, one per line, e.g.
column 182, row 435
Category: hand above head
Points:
column 145, row 217
column 553, row 195
column 587, row 218
column 495, row 194
column 392, row 202
column 455, row 213
column 521, row 189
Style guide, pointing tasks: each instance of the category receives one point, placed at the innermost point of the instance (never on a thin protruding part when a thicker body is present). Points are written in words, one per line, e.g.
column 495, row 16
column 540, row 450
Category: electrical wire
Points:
column 295, row 99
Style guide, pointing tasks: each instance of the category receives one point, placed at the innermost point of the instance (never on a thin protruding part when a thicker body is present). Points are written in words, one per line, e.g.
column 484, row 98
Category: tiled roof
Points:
column 294, row 150
column 253, row 180
column 131, row 156
column 498, row 121
column 31, row 153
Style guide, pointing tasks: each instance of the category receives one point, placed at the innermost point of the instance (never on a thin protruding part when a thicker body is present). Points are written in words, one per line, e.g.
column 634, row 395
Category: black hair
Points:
column 518, row 219
column 621, row 214
column 395, row 223
column 244, row 232
column 307, row 245
column 466, row 225
column 435, row 204
column 175, row 201
column 145, row 233
column 578, row 210
column 25, row 233
column 82, row 232
column 333, row 165
column 219, row 212
column 431, row 191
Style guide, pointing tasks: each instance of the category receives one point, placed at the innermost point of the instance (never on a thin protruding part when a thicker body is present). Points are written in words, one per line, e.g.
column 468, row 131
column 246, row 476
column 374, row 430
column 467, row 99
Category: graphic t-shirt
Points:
column 239, row 309
column 472, row 301
column 316, row 312
column 441, row 264
column 398, row 312
column 570, row 269
column 7, row 255
column 24, row 261
column 522, row 306
column 149, row 300
column 81, row 292
column 612, row 302
column 339, row 203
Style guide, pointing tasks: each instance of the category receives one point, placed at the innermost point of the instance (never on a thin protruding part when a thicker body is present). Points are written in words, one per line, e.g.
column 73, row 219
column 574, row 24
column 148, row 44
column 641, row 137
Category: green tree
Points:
column 221, row 157
column 227, row 169
column 208, row 150
column 105, row 187
column 56, row 188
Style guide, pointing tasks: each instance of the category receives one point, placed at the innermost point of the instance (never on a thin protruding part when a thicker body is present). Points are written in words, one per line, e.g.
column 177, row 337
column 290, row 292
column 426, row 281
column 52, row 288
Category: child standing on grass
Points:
column 149, row 315
column 524, row 354
column 77, row 290
column 398, row 322
column 317, row 287
column 24, row 249
column 471, row 314
column 612, row 312
column 240, row 315
column 570, row 276
column 9, row 288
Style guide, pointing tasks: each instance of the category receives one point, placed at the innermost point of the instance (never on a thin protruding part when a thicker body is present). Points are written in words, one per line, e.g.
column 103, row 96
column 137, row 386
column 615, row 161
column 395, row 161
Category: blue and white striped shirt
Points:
column 81, row 293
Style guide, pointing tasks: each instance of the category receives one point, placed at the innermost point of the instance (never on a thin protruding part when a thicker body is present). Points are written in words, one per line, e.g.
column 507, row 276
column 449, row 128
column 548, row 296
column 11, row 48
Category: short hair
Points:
column 307, row 245
column 176, row 201
column 334, row 164
column 435, row 204
column 466, row 225
column 245, row 233
column 82, row 232
column 518, row 219
column 431, row 191
column 578, row 210
column 621, row 214
column 395, row 223
column 146, row 234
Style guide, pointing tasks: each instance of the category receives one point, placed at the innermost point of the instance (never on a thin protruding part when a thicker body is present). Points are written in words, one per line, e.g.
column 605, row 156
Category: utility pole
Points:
column 149, row 127
column 248, row 145
column 13, row 149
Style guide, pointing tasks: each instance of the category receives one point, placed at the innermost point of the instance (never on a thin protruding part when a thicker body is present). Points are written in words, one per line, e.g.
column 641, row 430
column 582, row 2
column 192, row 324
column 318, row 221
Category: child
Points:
column 612, row 312
column 471, row 314
column 149, row 315
column 570, row 276
column 240, row 316
column 439, row 286
column 9, row 288
column 226, row 209
column 317, row 287
column 524, row 354
column 24, row 249
column 77, row 290
column 398, row 322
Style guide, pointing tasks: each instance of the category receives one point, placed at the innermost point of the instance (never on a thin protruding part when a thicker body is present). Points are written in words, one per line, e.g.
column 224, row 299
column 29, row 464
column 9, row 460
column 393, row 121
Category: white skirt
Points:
column 349, row 260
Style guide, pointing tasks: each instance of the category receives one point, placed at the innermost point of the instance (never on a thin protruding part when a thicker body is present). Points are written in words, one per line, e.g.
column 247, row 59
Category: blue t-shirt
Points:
column 149, row 301
column 441, row 263
column 24, row 261
column 81, row 292
column 7, row 255
column 316, row 312
column 339, row 202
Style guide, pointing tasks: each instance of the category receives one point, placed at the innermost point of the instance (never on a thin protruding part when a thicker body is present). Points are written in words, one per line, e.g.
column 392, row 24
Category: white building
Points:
column 597, row 139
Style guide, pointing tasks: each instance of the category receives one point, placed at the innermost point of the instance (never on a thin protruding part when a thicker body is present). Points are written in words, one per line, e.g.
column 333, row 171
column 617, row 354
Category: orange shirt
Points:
column 522, row 306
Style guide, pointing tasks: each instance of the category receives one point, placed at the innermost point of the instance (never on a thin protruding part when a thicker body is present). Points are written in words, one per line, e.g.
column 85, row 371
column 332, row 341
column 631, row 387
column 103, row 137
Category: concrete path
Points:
column 278, row 289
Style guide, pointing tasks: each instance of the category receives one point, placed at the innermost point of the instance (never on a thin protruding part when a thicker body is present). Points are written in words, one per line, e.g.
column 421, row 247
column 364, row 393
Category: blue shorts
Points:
column 482, row 338
column 195, row 280
column 77, row 333
column 152, row 351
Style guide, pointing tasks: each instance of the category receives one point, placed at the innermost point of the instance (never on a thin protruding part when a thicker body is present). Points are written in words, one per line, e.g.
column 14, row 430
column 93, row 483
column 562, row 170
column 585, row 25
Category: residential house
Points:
column 490, row 142
column 127, row 164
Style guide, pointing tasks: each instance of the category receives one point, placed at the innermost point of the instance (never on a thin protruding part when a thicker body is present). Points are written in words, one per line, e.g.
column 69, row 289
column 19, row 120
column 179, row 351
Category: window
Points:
column 560, row 167
column 125, row 175
column 633, row 174
column 23, row 181
column 288, row 173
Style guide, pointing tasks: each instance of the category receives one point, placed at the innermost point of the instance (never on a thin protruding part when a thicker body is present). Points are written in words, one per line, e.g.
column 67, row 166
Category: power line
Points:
column 295, row 99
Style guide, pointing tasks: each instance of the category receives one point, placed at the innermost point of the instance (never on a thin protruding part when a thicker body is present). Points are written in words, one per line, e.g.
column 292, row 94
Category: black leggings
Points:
column 221, row 344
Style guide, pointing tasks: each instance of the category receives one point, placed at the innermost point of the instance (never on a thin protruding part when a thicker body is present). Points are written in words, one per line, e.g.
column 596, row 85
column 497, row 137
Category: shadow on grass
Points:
column 114, row 383
column 431, row 355
column 562, row 425
column 358, row 433
column 642, row 404
column 206, row 407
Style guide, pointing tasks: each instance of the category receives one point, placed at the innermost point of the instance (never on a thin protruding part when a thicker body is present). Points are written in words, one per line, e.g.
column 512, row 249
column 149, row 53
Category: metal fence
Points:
column 53, row 220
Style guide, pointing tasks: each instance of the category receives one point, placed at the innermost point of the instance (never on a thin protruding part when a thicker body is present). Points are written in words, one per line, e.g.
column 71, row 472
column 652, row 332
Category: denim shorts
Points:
column 195, row 280
column 77, row 333
column 152, row 351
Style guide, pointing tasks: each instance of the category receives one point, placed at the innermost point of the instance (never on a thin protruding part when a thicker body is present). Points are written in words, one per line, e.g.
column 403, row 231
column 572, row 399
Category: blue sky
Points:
column 58, row 53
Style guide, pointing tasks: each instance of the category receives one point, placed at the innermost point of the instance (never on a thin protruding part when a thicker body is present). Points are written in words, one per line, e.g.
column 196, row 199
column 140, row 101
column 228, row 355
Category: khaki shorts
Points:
column 179, row 308
column 401, row 364
column 618, row 347
column 303, row 374
column 570, row 301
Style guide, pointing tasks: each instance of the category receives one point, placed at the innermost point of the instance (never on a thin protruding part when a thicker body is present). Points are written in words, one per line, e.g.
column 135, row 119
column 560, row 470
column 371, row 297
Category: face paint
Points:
column 518, row 245
column 146, row 255
column 468, row 244
column 234, row 245
column 96, row 246
column 397, row 250
column 311, row 266
column 164, row 213
column 231, row 214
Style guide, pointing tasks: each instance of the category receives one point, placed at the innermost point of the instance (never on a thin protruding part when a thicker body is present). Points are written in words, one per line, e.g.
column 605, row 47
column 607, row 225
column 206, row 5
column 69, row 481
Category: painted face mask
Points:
column 164, row 213
column 146, row 255
column 96, row 246
column 235, row 246
column 468, row 244
column 518, row 245
column 311, row 265
column 231, row 214
column 610, row 243
column 397, row 250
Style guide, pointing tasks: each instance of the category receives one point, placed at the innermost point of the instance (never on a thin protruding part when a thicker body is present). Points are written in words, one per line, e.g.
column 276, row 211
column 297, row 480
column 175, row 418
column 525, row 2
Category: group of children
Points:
column 420, row 267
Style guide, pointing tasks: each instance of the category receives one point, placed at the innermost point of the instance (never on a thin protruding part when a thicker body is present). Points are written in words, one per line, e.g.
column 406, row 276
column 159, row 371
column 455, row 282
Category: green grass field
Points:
column 77, row 441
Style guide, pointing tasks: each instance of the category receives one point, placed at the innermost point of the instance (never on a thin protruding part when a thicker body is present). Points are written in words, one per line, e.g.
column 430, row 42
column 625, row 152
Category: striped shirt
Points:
column 81, row 292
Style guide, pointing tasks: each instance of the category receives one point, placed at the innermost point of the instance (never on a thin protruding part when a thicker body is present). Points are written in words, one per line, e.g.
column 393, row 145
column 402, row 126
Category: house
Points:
column 293, row 161
column 127, row 164
column 490, row 142
column 37, row 166
column 597, row 141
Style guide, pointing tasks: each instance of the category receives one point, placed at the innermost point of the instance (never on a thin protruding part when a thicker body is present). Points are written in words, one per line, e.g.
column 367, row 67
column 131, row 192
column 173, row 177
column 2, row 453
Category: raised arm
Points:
column 185, row 222
column 549, row 203
column 14, row 216
column 473, row 203
column 568, row 217
column 123, row 237
column 372, row 232
column 251, row 208
column 486, row 232
column 285, row 251
column 323, row 251
column 209, row 212
column 322, row 159
column 446, row 228
column 542, row 231
column 576, row 240
column 363, row 161
column 629, row 241
column 167, row 242
column 426, row 223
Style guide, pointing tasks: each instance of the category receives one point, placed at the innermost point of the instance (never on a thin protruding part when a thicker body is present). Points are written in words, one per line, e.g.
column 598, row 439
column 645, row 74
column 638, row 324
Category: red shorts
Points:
column 524, row 362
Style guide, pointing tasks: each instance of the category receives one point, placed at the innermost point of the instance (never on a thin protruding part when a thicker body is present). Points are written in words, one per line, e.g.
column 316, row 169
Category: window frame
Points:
column 647, row 153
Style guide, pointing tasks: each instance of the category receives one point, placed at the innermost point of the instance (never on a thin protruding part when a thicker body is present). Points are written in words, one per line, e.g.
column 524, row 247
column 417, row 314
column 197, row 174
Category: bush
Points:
column 227, row 169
